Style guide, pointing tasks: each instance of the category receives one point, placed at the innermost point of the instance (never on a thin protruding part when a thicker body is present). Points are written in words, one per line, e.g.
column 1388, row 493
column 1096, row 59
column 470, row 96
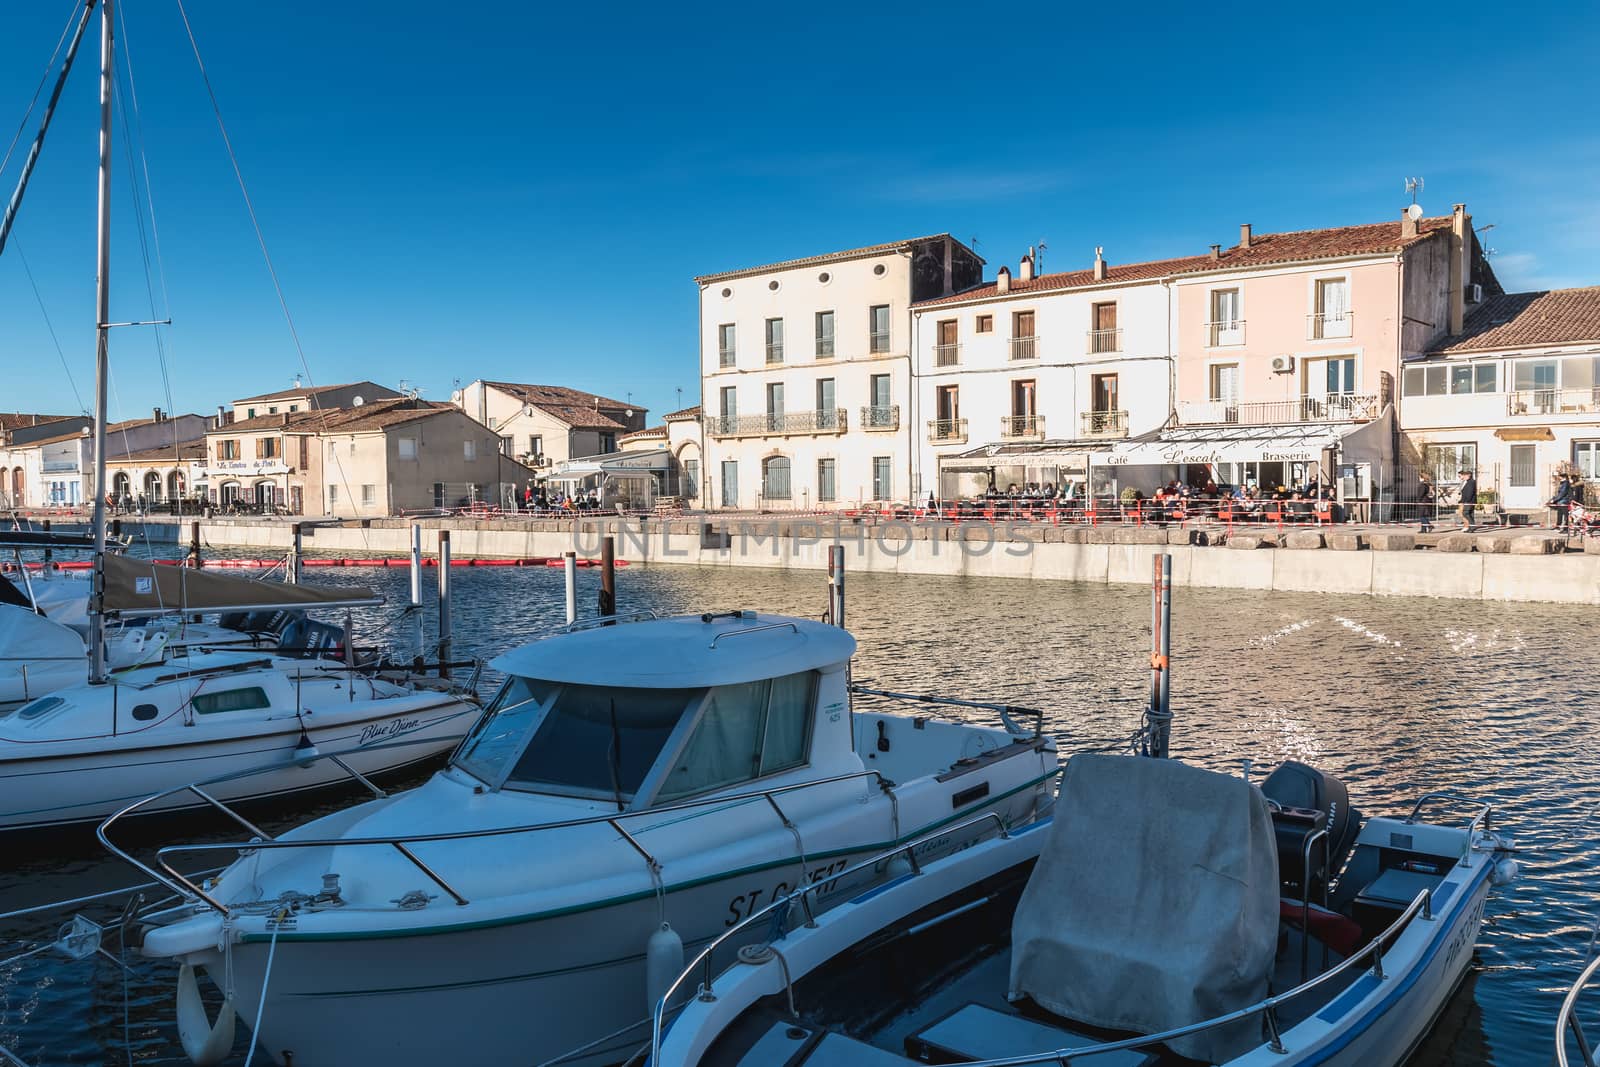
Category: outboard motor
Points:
column 312, row 640
column 1307, row 801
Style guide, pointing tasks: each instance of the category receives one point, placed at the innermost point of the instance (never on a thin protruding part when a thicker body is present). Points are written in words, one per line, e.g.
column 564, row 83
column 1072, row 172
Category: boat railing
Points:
column 1369, row 958
column 802, row 896
column 1005, row 711
column 184, row 885
column 1480, row 822
column 1567, row 1019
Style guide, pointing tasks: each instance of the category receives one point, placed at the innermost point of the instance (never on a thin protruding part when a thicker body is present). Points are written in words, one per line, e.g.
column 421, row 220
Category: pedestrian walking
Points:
column 1561, row 503
column 1426, row 499
column 1467, row 500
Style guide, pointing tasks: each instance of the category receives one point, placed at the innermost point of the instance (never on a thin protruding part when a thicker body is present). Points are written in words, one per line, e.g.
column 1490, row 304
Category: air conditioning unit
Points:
column 1474, row 293
column 1282, row 364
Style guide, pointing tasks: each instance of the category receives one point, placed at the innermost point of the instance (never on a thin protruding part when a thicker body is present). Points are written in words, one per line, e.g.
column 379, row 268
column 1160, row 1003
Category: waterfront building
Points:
column 263, row 462
column 312, row 398
column 806, row 373
column 652, row 465
column 169, row 478
column 1514, row 394
column 1024, row 378
column 57, row 469
column 18, row 429
column 544, row 425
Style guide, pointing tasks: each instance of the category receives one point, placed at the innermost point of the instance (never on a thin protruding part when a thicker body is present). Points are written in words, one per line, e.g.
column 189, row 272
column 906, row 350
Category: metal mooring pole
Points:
column 444, row 603
column 836, row 574
column 569, row 561
column 295, row 551
column 1160, row 714
column 416, row 589
column 608, row 576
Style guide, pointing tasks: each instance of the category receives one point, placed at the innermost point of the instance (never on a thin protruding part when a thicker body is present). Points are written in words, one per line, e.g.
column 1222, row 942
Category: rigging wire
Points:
column 37, row 296
column 44, row 78
column 261, row 240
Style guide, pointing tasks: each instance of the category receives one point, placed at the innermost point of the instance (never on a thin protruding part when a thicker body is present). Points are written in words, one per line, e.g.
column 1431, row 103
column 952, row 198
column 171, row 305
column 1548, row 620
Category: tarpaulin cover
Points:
column 1154, row 904
column 27, row 636
column 140, row 587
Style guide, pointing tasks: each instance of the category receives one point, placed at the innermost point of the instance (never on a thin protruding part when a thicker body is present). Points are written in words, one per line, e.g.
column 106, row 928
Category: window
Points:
column 1225, row 382
column 1531, row 374
column 266, row 447
column 691, row 479
column 775, row 478
column 608, row 441
column 947, row 403
column 880, row 412
column 438, row 494
column 727, row 346
column 407, row 447
column 1485, row 377
column 878, row 327
column 294, row 407
column 774, row 340
column 369, row 494
column 469, row 451
column 499, row 733
column 535, row 445
column 598, row 741
column 946, row 350
column 273, row 410
column 228, row 449
column 774, row 405
column 746, row 731
column 1103, row 333
column 249, row 413
column 1331, row 314
column 1024, row 397
column 827, row 407
column 827, row 480
column 1103, row 392
column 730, row 483
column 1329, row 377
column 1522, row 457
column 508, row 446
column 1446, row 462
column 882, row 482
column 983, row 324
column 1586, row 457
column 1440, row 379
column 1226, row 326
column 824, row 335
column 333, row 495
column 493, row 422
column 250, row 698
column 729, row 409
column 1023, row 342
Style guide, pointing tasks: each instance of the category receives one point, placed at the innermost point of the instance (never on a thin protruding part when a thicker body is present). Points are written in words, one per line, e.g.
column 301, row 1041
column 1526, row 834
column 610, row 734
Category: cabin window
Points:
column 747, row 731
column 599, row 741
column 145, row 712
column 250, row 698
column 498, row 735
column 40, row 707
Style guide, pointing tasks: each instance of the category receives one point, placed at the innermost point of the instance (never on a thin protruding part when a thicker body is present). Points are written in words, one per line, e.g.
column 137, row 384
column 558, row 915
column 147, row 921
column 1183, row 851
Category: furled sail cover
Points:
column 29, row 637
column 140, row 587
column 1154, row 904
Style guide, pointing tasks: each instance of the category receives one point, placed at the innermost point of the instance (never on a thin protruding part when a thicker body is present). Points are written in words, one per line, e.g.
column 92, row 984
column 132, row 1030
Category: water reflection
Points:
column 1398, row 697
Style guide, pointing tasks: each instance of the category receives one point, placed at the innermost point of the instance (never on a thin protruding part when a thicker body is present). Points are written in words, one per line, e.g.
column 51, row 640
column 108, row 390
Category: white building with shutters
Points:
column 806, row 374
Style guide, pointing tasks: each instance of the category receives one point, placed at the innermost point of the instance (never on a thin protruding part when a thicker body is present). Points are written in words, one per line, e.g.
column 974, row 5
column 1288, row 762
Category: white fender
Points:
column 206, row 1045
column 663, row 962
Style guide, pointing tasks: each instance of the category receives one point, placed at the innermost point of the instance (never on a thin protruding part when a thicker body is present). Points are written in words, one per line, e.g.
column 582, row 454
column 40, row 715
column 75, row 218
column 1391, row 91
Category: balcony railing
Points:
column 1103, row 424
column 946, row 355
column 777, row 424
column 1323, row 325
column 1022, row 426
column 947, row 431
column 1225, row 332
column 825, row 347
column 1553, row 401
column 878, row 344
column 1024, row 348
column 881, row 417
column 775, row 352
column 1335, row 407
column 726, row 357
column 1105, row 341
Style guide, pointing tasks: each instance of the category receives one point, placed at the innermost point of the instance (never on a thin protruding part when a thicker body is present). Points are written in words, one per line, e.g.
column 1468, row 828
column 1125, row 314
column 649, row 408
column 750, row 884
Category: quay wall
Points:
column 1105, row 554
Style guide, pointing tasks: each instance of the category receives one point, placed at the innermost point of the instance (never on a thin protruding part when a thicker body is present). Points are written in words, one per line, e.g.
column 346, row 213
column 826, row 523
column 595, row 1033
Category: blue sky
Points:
column 526, row 191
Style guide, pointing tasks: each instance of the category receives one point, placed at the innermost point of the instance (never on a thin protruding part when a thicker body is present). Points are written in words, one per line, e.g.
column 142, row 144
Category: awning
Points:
column 1068, row 455
column 651, row 461
column 1525, row 433
column 140, row 587
column 1284, row 443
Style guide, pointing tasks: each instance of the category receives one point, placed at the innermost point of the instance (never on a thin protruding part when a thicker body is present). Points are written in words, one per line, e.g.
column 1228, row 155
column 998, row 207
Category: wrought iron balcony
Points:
column 882, row 417
column 1324, row 325
column 1105, row 341
column 1103, row 424
column 777, row 424
column 1024, row 348
column 1334, row 407
column 946, row 355
column 947, row 431
column 1553, row 401
column 1022, row 427
column 1225, row 332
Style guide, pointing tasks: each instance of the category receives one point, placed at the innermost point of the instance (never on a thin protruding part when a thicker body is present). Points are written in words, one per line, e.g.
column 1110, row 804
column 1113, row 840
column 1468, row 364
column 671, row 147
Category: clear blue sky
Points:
column 525, row 191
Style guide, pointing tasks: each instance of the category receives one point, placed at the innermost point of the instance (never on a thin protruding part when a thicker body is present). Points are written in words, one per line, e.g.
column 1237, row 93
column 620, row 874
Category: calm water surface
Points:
column 1397, row 697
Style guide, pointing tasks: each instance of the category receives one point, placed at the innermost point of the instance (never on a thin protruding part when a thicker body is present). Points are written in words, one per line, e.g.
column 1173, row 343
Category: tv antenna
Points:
column 1414, row 186
column 1038, row 259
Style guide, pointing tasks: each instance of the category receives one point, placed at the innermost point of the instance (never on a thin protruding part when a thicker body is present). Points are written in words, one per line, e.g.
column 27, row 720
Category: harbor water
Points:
column 1398, row 697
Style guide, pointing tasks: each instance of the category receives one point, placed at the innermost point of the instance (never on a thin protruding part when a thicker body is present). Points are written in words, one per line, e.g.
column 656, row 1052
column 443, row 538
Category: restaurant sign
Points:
column 249, row 466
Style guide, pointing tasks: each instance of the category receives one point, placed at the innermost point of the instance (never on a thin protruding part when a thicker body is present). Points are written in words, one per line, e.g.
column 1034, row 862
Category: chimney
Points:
column 156, row 414
column 1002, row 281
column 1244, row 235
column 1099, row 263
column 219, row 417
column 1025, row 271
column 285, row 418
column 1460, row 249
column 1216, row 253
column 1408, row 225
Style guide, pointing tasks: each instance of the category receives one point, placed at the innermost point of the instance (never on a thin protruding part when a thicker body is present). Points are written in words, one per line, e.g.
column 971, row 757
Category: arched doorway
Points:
column 265, row 494
column 17, row 487
column 175, row 485
column 152, row 487
column 121, row 486
column 228, row 494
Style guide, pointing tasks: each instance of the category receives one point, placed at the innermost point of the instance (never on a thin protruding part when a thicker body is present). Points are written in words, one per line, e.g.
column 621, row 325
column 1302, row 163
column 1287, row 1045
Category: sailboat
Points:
column 85, row 751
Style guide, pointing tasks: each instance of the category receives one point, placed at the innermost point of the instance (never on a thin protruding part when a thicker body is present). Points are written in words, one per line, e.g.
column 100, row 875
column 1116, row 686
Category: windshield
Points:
column 587, row 740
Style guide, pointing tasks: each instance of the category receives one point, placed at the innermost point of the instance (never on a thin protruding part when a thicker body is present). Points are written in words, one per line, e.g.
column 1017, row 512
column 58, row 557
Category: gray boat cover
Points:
column 1154, row 904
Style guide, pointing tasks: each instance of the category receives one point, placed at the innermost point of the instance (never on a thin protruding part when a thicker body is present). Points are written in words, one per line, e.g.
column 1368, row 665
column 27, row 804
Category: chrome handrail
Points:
column 803, row 896
column 1567, row 1018
column 753, row 630
column 182, row 885
column 608, row 620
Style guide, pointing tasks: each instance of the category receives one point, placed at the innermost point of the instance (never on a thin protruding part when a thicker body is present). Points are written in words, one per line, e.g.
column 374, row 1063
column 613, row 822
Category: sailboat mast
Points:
column 102, row 312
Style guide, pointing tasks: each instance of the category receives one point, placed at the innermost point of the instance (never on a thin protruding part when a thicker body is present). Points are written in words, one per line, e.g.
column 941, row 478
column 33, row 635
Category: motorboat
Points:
column 1167, row 915
column 638, row 785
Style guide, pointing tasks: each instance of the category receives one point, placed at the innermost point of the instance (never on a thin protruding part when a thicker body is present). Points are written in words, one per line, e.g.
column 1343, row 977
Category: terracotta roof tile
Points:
column 21, row 420
column 648, row 431
column 827, row 257
column 576, row 408
column 1525, row 320
column 685, row 414
column 1074, row 279
column 311, row 390
column 188, row 450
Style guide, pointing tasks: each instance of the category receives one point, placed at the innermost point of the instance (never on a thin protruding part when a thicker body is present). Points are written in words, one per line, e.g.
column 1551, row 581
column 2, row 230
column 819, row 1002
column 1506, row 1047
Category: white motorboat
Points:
column 634, row 787
column 1169, row 915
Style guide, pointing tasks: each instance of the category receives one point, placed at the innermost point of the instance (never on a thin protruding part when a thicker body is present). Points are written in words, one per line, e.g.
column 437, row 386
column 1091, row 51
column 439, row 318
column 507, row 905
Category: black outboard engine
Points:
column 310, row 639
column 1309, row 800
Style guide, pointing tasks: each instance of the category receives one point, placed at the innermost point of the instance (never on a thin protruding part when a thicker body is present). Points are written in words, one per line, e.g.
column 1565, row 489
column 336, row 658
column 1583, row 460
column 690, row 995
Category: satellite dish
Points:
column 359, row 400
column 1414, row 212
column 629, row 413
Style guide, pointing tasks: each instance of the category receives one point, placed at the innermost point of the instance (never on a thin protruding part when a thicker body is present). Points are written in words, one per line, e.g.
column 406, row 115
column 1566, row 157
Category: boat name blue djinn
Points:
column 378, row 731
